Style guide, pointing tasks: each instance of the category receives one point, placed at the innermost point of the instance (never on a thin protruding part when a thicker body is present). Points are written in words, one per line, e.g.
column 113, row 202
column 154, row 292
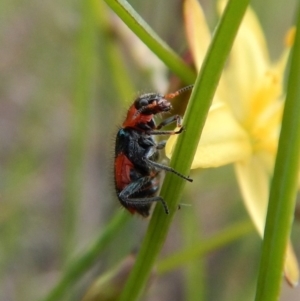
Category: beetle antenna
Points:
column 180, row 91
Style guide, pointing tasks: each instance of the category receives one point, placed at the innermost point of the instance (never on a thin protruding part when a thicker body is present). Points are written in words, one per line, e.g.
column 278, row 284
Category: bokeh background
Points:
column 62, row 99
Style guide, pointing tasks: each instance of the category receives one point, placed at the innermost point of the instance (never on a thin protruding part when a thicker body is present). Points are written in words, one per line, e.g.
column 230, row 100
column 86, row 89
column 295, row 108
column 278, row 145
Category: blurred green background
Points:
column 66, row 80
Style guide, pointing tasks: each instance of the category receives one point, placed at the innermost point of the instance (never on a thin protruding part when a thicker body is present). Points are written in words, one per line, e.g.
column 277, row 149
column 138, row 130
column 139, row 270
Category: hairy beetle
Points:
column 136, row 153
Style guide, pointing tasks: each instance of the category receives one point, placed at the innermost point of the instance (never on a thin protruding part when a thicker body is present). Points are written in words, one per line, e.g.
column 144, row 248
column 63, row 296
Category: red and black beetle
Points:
column 136, row 153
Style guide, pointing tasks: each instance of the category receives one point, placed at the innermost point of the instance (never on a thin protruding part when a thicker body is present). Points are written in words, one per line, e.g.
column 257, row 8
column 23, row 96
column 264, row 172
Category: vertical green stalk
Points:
column 284, row 187
column 84, row 75
column 194, row 270
column 186, row 146
column 112, row 66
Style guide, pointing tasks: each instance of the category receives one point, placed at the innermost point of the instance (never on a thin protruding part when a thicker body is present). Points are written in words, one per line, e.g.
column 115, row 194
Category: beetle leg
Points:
column 166, row 132
column 134, row 187
column 161, row 144
column 166, row 168
column 165, row 122
column 170, row 120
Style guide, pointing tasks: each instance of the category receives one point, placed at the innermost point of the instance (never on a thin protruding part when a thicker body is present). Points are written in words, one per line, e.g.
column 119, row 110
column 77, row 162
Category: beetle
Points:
column 136, row 166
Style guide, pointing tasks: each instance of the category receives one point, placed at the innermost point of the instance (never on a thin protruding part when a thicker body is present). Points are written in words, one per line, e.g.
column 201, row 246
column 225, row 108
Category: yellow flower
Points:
column 244, row 121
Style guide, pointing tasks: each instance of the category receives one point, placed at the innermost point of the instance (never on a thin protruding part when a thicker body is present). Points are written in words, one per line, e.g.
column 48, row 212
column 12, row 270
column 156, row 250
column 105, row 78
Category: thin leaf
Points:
column 205, row 246
column 79, row 266
column 146, row 34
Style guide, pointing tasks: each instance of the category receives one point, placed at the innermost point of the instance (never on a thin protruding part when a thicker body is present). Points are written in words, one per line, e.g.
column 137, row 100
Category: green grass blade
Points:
column 194, row 270
column 205, row 246
column 146, row 34
column 79, row 265
column 284, row 187
column 186, row 146
column 112, row 65
column 84, row 74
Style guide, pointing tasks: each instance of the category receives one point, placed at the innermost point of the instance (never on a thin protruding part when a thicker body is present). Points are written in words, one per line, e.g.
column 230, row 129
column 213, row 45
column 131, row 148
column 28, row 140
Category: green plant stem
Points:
column 284, row 187
column 84, row 75
column 112, row 66
column 194, row 270
column 146, row 34
column 79, row 265
column 205, row 246
column 197, row 110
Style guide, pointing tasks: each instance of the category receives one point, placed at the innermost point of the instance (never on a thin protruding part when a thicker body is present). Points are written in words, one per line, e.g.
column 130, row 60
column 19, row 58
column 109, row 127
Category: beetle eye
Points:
column 143, row 102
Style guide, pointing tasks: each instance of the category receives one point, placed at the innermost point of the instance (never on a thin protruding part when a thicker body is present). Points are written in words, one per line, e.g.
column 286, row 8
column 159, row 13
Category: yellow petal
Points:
column 253, row 177
column 223, row 141
column 247, row 63
column 266, row 128
column 270, row 87
column 197, row 31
